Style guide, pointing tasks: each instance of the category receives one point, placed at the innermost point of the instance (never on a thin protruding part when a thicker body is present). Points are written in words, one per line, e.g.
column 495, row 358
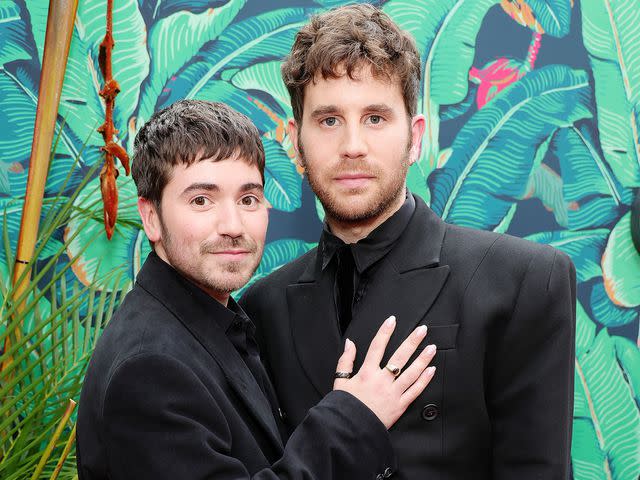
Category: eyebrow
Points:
column 323, row 110
column 212, row 187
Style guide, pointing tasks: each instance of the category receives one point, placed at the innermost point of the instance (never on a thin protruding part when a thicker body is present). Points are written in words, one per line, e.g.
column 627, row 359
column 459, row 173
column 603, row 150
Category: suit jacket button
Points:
column 430, row 412
column 282, row 415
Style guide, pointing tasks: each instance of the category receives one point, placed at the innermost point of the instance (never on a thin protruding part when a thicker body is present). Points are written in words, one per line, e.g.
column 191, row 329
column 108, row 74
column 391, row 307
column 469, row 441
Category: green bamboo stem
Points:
column 60, row 20
column 52, row 442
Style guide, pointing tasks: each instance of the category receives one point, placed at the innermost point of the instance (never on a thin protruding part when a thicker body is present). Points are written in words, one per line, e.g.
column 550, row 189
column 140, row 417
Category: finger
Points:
column 402, row 355
column 418, row 386
column 345, row 362
column 413, row 371
column 379, row 344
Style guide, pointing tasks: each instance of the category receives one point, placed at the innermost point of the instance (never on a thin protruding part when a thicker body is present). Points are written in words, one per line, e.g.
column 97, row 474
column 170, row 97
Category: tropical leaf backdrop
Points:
column 533, row 121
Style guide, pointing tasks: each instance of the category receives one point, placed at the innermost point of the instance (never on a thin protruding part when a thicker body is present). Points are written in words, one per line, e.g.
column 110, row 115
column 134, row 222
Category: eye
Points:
column 375, row 119
column 200, row 201
column 250, row 201
column 330, row 121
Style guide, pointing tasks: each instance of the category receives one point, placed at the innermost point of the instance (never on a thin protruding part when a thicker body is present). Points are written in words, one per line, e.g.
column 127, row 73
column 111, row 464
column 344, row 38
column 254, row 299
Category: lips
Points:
column 353, row 180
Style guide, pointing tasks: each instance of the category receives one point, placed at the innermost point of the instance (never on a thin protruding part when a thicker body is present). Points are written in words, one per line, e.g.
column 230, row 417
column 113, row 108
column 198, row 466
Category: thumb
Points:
column 345, row 362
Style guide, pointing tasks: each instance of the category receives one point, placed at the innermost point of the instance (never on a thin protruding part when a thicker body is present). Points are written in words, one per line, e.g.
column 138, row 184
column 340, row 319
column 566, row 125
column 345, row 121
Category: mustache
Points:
column 226, row 243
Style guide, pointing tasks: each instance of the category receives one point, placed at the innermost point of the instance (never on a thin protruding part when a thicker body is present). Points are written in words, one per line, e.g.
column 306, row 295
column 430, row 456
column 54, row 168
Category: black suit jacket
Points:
column 501, row 311
column 166, row 395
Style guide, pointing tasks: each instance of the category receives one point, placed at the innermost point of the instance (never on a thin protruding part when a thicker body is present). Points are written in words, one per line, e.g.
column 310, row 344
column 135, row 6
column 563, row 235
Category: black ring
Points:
column 343, row 375
column 22, row 261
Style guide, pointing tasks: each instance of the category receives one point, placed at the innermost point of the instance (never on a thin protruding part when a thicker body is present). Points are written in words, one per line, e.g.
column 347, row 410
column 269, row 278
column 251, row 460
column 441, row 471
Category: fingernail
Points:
column 347, row 345
column 390, row 322
column 431, row 371
column 431, row 349
column 421, row 331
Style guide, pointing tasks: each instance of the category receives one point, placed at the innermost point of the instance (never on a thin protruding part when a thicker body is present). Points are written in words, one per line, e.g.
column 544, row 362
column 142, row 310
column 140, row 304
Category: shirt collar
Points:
column 374, row 246
column 224, row 316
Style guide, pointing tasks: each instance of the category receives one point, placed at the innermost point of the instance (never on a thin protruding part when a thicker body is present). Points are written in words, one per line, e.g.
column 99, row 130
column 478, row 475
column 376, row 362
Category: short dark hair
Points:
column 345, row 39
column 188, row 131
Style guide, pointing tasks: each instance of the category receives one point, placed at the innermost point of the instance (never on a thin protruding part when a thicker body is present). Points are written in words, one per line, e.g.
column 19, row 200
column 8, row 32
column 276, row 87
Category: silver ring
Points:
column 343, row 375
column 395, row 371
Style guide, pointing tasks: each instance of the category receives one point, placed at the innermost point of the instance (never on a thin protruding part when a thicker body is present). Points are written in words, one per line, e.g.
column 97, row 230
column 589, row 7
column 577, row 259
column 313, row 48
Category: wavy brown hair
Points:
column 342, row 41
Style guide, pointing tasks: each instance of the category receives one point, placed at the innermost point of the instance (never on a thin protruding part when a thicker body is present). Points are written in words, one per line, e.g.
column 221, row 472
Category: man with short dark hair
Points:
column 175, row 388
column 501, row 310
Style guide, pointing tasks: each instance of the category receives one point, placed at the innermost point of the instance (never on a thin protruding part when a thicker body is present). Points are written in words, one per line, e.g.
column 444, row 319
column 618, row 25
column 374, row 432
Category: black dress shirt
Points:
column 367, row 253
column 240, row 330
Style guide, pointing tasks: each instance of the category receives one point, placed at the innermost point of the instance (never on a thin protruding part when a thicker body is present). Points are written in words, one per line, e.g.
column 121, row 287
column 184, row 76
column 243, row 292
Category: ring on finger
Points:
column 342, row 375
column 395, row 371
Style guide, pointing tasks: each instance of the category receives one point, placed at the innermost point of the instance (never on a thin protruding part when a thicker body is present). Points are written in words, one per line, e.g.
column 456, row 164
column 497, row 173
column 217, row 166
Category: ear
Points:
column 294, row 131
column 150, row 219
column 418, row 125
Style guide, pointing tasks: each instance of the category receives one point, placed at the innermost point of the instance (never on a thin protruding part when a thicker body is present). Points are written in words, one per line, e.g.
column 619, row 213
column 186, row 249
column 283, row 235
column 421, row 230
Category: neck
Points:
column 352, row 232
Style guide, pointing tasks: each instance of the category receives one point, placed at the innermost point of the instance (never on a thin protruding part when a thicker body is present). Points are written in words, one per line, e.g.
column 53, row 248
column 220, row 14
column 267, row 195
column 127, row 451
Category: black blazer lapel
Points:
column 165, row 284
column 313, row 327
column 406, row 284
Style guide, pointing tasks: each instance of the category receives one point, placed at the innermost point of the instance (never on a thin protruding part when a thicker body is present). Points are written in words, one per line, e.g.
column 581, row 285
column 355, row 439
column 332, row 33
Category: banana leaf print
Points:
column 552, row 17
column 12, row 31
column 494, row 153
column 584, row 247
column 97, row 260
column 606, row 416
column 620, row 266
column 591, row 195
column 445, row 33
column 612, row 39
column 606, row 312
column 191, row 31
column 276, row 254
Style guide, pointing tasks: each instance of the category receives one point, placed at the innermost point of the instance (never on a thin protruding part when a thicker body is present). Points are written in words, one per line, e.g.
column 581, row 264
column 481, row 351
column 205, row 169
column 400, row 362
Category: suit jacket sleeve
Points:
column 159, row 421
column 531, row 375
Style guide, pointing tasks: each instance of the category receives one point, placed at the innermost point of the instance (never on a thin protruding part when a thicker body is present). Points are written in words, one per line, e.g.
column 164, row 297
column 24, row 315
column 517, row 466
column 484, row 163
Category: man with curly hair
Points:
column 501, row 310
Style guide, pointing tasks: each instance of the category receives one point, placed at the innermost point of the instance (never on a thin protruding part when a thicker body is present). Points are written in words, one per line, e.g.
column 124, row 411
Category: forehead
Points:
column 362, row 89
column 230, row 173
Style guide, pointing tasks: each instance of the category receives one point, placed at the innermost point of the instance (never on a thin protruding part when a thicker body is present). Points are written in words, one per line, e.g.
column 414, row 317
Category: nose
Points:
column 354, row 144
column 230, row 220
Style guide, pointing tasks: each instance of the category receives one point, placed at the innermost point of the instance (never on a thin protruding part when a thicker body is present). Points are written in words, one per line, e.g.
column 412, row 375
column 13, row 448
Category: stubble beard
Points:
column 338, row 209
column 214, row 281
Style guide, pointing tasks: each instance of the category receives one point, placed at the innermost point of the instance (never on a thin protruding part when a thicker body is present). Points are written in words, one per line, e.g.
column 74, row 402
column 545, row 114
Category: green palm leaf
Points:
column 553, row 15
column 13, row 31
column 174, row 40
column 275, row 255
column 445, row 33
column 265, row 77
column 94, row 255
column 606, row 428
column 620, row 266
column 607, row 313
column 495, row 153
column 612, row 39
column 265, row 37
column 588, row 184
column 38, row 12
column 283, row 183
column 130, row 58
column 584, row 247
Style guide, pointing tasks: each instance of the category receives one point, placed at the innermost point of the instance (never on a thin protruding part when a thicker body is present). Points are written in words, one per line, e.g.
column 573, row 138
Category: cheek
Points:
column 257, row 225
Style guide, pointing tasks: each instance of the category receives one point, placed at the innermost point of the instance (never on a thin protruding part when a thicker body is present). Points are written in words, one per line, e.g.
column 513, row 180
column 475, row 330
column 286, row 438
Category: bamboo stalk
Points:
column 52, row 443
column 65, row 454
column 60, row 20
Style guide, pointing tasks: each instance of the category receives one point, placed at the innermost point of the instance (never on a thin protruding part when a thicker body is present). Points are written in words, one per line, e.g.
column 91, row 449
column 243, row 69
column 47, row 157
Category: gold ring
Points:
column 393, row 369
